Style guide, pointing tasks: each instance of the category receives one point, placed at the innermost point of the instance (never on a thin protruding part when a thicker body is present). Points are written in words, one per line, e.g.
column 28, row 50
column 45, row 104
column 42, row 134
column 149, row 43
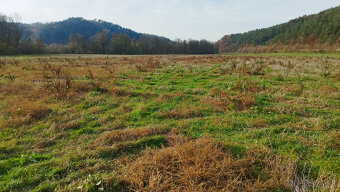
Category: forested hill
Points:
column 313, row 30
column 59, row 32
column 80, row 36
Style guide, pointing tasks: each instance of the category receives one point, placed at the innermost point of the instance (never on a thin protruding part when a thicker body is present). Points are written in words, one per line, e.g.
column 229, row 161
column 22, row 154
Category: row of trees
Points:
column 311, row 31
column 12, row 39
column 319, row 32
column 291, row 47
column 104, row 43
column 313, row 44
column 10, row 33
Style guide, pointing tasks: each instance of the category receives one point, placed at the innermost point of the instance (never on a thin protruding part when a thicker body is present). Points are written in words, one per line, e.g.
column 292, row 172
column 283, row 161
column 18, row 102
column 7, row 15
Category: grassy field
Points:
column 160, row 123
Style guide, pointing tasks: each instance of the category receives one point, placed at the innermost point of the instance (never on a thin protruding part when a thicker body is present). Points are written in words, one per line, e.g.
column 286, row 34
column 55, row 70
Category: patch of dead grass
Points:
column 203, row 165
column 21, row 111
column 112, row 137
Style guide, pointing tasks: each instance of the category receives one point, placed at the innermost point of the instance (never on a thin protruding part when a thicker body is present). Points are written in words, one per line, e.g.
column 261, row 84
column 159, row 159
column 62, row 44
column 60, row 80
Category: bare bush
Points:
column 10, row 77
column 2, row 62
column 109, row 67
column 13, row 62
column 59, row 83
column 257, row 68
column 141, row 68
column 326, row 68
column 95, row 83
column 228, row 68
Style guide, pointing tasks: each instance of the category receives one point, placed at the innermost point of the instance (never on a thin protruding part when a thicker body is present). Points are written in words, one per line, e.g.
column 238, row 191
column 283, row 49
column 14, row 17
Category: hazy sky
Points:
column 184, row 19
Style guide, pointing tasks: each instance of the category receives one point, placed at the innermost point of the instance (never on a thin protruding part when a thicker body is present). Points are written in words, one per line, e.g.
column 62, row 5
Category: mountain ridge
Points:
column 323, row 27
column 58, row 32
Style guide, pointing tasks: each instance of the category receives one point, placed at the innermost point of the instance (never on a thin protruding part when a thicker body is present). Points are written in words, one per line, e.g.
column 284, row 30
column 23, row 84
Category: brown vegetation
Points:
column 116, row 136
column 57, row 81
column 203, row 165
column 99, row 116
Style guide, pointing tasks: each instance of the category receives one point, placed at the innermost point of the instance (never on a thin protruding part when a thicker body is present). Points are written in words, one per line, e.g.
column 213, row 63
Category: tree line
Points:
column 105, row 43
column 318, row 31
column 14, row 41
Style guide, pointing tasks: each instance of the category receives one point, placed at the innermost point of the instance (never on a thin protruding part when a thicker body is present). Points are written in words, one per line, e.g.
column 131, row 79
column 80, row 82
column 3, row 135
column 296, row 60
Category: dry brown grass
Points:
column 217, row 104
column 44, row 143
column 247, row 86
column 326, row 68
column 296, row 89
column 148, row 66
column 81, row 87
column 203, row 165
column 58, row 81
column 163, row 97
column 258, row 70
column 116, row 136
column 121, row 92
column 244, row 100
column 22, row 111
column 228, row 68
column 15, row 88
column 243, row 69
column 337, row 75
column 183, row 112
column 326, row 90
column 73, row 124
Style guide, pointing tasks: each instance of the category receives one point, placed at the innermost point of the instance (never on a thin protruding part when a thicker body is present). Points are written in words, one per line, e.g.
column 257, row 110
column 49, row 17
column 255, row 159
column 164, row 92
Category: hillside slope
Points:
column 315, row 29
column 59, row 32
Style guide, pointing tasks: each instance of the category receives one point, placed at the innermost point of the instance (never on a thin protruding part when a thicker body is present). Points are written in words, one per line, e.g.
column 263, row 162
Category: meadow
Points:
column 170, row 123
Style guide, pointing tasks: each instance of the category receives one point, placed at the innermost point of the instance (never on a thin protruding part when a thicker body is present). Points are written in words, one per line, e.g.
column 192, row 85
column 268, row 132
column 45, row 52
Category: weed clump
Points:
column 326, row 68
column 131, row 146
column 26, row 111
column 116, row 136
column 203, row 165
column 59, row 82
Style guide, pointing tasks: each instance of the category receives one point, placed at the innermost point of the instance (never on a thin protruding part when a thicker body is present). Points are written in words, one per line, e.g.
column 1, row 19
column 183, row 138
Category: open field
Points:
column 160, row 123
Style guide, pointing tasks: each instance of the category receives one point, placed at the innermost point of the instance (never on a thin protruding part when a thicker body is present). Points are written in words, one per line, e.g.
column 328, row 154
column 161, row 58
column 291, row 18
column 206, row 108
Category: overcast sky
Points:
column 184, row 19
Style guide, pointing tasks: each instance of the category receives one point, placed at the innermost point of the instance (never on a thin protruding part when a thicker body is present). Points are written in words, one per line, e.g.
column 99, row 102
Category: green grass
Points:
column 191, row 98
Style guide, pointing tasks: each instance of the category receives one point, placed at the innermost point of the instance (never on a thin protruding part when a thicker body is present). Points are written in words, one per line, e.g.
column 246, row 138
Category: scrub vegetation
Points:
column 179, row 123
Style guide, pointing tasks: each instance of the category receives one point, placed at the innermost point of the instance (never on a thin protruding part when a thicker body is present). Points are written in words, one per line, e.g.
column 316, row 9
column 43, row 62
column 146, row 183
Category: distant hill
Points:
column 59, row 32
column 320, row 28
